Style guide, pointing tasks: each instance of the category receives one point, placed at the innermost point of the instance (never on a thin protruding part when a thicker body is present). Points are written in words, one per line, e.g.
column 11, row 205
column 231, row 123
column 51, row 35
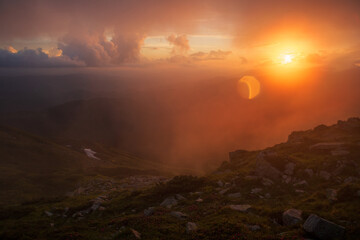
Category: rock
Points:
column 251, row 178
column 299, row 191
column 325, row 175
column 169, row 202
column 256, row 190
column 102, row 208
column 291, row 217
column 253, row 227
column 267, row 182
column 322, row 228
column 149, row 211
column 289, row 168
column 327, row 146
column 179, row 197
column 349, row 180
column 178, row 215
column 268, row 195
column 199, row 200
column 286, row 179
column 191, row 227
column 265, row 169
column 227, row 185
column 309, row 171
column 301, row 183
column 222, row 192
column 136, row 233
column 234, row 195
column 331, row 194
column 339, row 152
column 241, row 208
column 49, row 214
column 220, row 183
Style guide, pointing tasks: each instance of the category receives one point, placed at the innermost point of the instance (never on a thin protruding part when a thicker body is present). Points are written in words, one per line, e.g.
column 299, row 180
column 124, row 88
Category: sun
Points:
column 287, row 58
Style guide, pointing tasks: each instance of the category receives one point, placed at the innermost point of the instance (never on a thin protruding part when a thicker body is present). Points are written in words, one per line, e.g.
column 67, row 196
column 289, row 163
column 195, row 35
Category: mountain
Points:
column 305, row 188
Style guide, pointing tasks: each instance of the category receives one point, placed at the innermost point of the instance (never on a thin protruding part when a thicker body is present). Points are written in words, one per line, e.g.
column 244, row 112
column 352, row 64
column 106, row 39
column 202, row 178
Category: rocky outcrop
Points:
column 291, row 217
column 322, row 228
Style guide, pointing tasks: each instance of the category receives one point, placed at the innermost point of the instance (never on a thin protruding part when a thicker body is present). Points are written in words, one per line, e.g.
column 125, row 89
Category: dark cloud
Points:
column 35, row 58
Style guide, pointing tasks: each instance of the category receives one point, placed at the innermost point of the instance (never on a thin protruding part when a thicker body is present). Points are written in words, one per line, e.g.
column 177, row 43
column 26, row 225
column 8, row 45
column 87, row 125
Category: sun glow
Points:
column 287, row 58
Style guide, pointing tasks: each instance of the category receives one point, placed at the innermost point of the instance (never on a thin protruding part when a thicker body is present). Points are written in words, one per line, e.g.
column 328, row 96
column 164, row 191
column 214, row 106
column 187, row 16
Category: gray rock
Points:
column 150, row 211
column 180, row 197
column 322, row 228
column 169, row 202
column 289, row 168
column 309, row 171
column 222, row 192
column 253, row 227
column 234, row 195
column 325, row 175
column 301, row 183
column 178, row 215
column 241, row 208
column 331, row 194
column 256, row 190
column 49, row 214
column 220, row 183
column 199, row 200
column 291, row 217
column 267, row 182
column 349, row 179
column 191, row 227
column 265, row 169
column 286, row 179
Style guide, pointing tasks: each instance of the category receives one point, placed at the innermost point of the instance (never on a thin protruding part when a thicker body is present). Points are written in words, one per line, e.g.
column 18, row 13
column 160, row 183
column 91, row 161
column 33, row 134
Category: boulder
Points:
column 331, row 194
column 264, row 169
column 286, row 179
column 267, row 182
column 223, row 191
column 234, row 195
column 220, row 183
column 291, row 217
column 325, row 175
column 256, row 190
column 149, row 211
column 191, row 227
column 180, row 197
column 301, row 183
column 322, row 228
column 169, row 202
column 178, row 215
column 309, row 171
column 241, row 208
column 289, row 168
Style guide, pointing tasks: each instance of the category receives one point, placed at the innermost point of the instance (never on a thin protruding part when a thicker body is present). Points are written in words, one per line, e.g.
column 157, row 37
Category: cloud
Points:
column 35, row 58
column 212, row 55
column 95, row 50
column 180, row 43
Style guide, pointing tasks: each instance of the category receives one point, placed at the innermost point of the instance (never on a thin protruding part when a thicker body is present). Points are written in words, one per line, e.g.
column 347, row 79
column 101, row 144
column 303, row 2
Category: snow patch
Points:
column 90, row 153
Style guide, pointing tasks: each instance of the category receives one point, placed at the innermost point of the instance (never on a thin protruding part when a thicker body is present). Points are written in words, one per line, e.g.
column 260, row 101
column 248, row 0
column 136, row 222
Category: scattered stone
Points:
column 169, row 202
column 253, row 227
column 220, row 183
column 309, row 171
column 136, row 233
column 150, row 211
column 51, row 224
column 49, row 214
column 267, row 182
column 299, row 191
column 241, row 208
column 180, row 197
column 234, row 195
column 102, row 208
column 222, row 192
column 331, row 194
column 199, row 200
column 301, row 183
column 191, row 227
column 289, row 168
column 256, row 190
column 178, row 215
column 291, row 217
column 286, row 179
column 227, row 185
column 325, row 175
column 322, row 228
column 268, row 195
